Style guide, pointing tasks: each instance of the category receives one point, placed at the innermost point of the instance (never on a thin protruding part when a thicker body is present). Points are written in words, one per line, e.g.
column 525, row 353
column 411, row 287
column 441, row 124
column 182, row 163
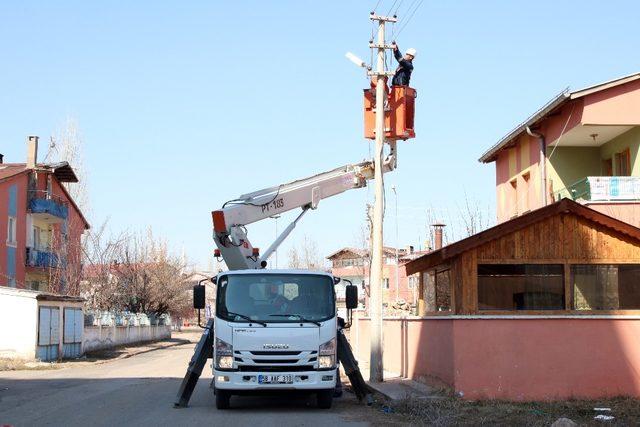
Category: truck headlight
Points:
column 327, row 355
column 224, row 354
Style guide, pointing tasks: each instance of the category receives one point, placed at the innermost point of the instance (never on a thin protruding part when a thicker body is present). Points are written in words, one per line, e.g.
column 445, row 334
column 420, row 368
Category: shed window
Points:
column 443, row 291
column 520, row 287
column 437, row 290
column 606, row 287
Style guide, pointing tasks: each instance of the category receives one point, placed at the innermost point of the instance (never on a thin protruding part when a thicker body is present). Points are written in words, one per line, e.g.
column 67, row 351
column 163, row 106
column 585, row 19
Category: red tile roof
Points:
column 7, row 170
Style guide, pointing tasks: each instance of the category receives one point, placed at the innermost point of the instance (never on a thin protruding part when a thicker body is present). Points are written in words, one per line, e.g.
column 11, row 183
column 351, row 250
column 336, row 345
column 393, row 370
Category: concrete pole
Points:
column 395, row 193
column 375, row 366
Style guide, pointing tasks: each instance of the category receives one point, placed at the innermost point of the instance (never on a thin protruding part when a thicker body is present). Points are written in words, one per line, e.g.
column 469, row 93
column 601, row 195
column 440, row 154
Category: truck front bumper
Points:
column 246, row 381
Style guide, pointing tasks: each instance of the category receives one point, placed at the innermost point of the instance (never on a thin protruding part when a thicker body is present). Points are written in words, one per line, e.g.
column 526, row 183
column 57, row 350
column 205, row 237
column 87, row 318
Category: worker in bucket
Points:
column 405, row 67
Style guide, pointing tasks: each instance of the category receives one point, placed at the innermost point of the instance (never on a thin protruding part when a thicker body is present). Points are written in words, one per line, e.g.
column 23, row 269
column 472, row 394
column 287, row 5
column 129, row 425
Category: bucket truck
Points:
column 276, row 330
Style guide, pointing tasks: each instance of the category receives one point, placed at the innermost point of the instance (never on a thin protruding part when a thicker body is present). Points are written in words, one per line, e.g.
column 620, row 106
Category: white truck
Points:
column 276, row 330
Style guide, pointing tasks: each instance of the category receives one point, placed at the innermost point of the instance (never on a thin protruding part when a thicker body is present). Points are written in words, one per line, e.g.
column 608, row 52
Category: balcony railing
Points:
column 602, row 188
column 42, row 258
column 44, row 202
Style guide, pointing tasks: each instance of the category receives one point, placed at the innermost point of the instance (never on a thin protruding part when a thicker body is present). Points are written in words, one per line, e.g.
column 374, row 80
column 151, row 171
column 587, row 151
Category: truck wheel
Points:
column 325, row 399
column 223, row 399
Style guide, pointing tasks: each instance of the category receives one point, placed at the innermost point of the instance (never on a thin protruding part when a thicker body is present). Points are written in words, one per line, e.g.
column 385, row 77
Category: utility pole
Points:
column 375, row 309
column 395, row 193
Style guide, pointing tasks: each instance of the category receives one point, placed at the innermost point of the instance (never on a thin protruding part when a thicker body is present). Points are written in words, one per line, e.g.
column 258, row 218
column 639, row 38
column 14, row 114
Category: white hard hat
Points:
column 411, row 51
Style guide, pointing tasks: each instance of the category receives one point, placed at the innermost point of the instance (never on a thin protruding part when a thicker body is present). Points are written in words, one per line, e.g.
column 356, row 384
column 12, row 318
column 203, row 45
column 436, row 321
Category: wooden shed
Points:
column 545, row 306
column 564, row 258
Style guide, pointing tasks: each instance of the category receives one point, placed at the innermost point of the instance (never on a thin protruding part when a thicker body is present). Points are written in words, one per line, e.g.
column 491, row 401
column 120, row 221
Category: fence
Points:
column 103, row 337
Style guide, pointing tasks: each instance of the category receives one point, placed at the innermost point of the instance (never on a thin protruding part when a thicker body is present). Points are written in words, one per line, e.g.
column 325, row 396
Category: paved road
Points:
column 140, row 391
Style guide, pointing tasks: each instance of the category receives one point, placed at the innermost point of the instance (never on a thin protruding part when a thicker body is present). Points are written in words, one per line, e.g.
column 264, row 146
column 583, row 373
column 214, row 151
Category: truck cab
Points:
column 275, row 330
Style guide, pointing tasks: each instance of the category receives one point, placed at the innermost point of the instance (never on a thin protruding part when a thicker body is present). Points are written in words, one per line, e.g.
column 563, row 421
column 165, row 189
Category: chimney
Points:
column 438, row 232
column 32, row 152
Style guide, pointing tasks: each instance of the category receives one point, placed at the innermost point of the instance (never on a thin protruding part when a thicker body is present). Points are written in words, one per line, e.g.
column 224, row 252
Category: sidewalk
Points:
column 396, row 388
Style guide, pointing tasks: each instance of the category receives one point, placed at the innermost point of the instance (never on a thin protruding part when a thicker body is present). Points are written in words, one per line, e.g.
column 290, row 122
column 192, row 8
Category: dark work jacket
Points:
column 403, row 72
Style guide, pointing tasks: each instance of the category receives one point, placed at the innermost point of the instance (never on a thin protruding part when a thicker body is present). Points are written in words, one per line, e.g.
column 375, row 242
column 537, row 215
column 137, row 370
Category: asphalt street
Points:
column 140, row 390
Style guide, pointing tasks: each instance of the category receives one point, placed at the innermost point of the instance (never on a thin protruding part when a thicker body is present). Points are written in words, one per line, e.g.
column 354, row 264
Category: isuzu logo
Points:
column 275, row 346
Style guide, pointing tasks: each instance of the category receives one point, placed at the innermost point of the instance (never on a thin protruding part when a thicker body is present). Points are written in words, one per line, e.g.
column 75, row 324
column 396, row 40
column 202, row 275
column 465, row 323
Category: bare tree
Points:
column 67, row 144
column 306, row 256
column 151, row 278
column 474, row 218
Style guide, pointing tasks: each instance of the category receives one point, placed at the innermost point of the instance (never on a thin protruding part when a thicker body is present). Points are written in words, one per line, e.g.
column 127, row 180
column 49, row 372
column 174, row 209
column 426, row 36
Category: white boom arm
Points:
column 229, row 223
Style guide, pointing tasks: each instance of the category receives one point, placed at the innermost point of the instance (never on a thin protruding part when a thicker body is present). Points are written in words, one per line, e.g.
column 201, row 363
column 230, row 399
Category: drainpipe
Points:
column 543, row 162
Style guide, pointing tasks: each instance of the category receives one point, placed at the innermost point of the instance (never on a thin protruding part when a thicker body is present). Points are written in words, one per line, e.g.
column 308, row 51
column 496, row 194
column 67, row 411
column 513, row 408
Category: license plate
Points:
column 275, row 379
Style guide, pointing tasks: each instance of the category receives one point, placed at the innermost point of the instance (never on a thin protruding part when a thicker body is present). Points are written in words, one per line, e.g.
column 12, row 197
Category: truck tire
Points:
column 325, row 399
column 223, row 399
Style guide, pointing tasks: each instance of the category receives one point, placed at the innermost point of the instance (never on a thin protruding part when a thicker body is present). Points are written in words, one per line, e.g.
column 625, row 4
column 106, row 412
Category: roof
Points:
column 62, row 171
column 38, row 295
column 552, row 105
column 8, row 170
column 562, row 207
column 55, row 297
column 365, row 252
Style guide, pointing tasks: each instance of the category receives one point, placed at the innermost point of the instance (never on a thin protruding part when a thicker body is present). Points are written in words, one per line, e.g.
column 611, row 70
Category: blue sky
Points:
column 186, row 105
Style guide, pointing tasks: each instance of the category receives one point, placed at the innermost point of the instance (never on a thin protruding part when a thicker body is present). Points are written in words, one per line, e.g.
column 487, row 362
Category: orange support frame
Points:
column 399, row 114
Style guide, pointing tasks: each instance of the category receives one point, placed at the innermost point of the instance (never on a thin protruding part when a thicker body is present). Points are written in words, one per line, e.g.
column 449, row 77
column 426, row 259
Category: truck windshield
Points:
column 267, row 297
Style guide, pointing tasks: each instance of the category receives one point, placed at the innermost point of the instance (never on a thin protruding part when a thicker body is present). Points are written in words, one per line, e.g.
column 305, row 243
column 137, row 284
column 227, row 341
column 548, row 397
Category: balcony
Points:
column 41, row 259
column 47, row 207
column 602, row 189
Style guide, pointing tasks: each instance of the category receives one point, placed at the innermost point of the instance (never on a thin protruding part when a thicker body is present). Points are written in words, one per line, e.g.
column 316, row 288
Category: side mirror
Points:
column 198, row 297
column 351, row 297
column 336, row 280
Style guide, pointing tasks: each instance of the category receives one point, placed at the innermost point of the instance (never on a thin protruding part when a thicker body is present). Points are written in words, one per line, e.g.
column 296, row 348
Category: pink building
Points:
column 582, row 145
column 40, row 225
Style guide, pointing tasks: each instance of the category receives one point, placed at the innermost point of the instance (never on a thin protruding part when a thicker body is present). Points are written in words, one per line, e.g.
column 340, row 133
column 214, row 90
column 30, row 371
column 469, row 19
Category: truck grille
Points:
column 276, row 361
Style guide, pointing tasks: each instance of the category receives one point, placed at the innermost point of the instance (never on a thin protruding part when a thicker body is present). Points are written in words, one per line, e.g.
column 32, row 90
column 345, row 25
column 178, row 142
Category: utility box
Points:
column 399, row 113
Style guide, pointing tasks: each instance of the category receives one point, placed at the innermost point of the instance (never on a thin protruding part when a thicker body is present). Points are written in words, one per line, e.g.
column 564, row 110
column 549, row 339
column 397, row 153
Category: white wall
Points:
column 18, row 323
column 103, row 337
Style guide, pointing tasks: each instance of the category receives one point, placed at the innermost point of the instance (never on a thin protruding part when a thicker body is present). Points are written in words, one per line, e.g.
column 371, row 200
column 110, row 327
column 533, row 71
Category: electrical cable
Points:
column 391, row 8
column 398, row 8
column 409, row 18
column 376, row 6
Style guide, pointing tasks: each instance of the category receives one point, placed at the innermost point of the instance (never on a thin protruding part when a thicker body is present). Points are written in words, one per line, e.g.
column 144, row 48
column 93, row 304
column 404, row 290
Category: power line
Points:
column 376, row 6
column 410, row 17
column 391, row 8
column 398, row 8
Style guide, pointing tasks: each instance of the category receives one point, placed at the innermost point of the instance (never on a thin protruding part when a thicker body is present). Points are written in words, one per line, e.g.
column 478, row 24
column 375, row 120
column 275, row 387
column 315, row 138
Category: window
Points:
column 525, row 192
column 386, row 282
column 520, row 287
column 443, row 291
column 11, row 231
column 275, row 297
column 606, row 287
column 623, row 163
column 513, row 190
column 437, row 289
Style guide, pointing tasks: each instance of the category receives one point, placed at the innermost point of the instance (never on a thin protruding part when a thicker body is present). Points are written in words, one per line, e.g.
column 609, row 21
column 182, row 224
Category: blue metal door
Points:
column 48, row 333
column 73, row 328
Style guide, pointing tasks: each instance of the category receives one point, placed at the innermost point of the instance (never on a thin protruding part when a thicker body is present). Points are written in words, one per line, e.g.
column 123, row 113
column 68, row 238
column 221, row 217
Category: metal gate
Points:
column 73, row 328
column 48, row 333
